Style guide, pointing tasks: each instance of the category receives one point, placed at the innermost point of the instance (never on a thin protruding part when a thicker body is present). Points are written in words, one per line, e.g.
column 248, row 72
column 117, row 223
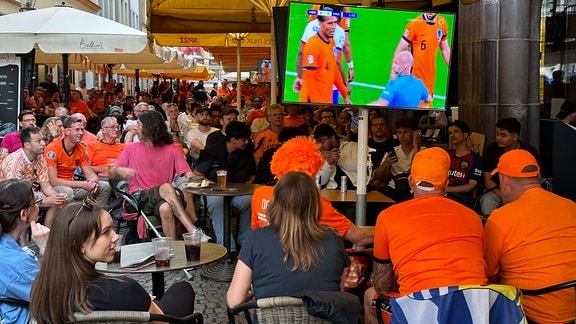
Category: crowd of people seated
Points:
column 159, row 139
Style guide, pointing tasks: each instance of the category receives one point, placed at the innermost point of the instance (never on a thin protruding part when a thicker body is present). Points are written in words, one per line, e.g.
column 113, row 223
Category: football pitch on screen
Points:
column 374, row 36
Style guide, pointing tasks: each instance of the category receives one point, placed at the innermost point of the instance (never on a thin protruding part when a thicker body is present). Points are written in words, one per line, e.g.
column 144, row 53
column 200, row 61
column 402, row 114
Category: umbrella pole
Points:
column 361, row 165
column 274, row 59
column 137, row 79
column 66, row 84
column 362, row 176
column 238, row 76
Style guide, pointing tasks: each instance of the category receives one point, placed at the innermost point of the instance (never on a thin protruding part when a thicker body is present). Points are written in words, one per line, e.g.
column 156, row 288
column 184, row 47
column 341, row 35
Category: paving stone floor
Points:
column 210, row 295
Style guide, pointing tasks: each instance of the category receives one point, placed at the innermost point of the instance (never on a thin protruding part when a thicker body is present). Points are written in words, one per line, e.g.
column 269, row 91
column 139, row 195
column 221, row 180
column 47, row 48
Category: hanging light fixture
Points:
column 27, row 5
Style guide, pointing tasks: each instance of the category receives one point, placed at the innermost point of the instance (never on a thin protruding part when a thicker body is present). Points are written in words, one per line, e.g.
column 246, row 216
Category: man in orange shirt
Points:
column 530, row 240
column 63, row 156
column 293, row 119
column 429, row 241
column 77, row 105
column 224, row 91
column 107, row 148
column 424, row 35
column 268, row 138
column 301, row 154
column 319, row 68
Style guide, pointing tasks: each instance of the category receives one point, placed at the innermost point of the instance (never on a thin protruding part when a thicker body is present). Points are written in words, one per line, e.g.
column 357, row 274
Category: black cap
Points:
column 324, row 130
column 566, row 109
column 230, row 111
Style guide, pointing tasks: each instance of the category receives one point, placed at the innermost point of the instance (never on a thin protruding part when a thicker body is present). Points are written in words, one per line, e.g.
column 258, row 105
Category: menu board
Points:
column 9, row 93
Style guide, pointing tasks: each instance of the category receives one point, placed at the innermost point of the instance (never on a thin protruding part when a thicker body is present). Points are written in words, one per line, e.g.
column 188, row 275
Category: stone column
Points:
column 498, row 46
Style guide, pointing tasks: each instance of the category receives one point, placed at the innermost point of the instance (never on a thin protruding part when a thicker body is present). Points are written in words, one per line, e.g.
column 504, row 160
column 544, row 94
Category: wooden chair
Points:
column 477, row 142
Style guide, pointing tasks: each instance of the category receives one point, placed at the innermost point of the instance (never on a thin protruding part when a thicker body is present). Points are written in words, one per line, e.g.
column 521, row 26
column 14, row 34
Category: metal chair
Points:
column 283, row 309
column 549, row 289
column 463, row 304
column 116, row 316
column 131, row 201
column 306, row 306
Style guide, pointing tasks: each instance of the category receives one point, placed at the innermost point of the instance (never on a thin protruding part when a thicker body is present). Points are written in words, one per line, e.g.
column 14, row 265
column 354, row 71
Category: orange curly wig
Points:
column 299, row 154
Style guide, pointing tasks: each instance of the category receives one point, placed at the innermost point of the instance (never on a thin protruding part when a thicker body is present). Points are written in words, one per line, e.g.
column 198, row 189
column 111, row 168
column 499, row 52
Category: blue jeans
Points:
column 215, row 206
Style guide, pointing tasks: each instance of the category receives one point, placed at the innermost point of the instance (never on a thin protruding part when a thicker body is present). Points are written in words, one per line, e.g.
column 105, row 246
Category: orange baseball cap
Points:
column 518, row 163
column 430, row 167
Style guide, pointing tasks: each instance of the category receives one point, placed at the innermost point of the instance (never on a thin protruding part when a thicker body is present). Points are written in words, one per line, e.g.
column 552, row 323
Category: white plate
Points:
column 197, row 187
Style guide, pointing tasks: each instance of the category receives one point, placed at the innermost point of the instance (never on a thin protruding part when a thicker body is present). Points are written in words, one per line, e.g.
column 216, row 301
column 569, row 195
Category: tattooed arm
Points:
column 384, row 278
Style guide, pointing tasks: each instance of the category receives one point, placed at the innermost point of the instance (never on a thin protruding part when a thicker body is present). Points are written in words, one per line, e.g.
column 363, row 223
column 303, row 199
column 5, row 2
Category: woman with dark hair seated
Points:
column 68, row 282
column 294, row 252
column 18, row 266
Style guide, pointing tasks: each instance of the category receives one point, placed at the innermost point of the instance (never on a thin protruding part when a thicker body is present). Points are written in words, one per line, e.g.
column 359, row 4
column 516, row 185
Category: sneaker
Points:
column 205, row 238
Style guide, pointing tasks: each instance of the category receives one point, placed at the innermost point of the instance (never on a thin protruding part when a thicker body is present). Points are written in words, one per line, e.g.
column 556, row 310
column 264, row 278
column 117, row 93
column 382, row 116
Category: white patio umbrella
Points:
column 64, row 30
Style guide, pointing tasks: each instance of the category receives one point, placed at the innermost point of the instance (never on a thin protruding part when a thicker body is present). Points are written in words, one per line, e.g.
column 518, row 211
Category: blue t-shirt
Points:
column 405, row 91
column 18, row 270
column 263, row 254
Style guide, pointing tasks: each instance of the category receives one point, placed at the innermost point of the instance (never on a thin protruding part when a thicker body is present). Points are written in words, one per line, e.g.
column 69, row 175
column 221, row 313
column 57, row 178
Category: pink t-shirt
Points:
column 11, row 142
column 154, row 165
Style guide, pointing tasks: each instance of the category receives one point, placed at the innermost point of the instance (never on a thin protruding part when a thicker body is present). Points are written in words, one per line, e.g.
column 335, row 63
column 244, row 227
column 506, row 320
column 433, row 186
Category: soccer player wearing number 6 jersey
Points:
column 424, row 35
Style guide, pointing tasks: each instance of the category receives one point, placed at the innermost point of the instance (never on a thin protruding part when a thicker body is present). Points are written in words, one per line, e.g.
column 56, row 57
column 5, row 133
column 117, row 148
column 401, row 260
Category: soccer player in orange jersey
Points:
column 346, row 49
column 424, row 35
column 319, row 66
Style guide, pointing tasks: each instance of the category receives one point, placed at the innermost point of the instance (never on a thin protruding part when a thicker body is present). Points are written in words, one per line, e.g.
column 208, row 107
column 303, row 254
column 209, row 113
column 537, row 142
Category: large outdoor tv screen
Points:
column 367, row 56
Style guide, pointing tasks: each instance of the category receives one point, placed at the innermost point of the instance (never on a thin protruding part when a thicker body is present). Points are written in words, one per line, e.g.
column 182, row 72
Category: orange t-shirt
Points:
column 424, row 41
column 264, row 140
column 223, row 92
column 80, row 107
column 56, row 156
column 290, row 121
column 432, row 242
column 320, row 72
column 530, row 244
column 100, row 152
column 255, row 113
column 330, row 216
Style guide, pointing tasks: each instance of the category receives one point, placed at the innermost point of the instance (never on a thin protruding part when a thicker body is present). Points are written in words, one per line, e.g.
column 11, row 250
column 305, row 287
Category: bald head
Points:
column 406, row 58
column 403, row 63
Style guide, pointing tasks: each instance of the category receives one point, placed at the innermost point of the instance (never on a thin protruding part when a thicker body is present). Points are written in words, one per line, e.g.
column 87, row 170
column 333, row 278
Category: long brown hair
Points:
column 294, row 212
column 61, row 284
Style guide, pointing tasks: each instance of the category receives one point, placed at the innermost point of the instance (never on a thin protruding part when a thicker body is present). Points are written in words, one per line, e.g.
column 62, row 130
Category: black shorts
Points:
column 151, row 201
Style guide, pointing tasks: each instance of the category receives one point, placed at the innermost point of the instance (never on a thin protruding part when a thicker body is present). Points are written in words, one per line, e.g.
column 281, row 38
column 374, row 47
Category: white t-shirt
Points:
column 403, row 165
column 196, row 140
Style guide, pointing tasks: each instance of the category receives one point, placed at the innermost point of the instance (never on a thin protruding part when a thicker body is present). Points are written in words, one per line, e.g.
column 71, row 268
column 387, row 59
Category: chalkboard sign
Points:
column 9, row 93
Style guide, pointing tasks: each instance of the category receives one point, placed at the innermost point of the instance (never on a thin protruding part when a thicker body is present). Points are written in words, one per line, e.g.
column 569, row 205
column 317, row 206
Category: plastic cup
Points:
column 65, row 202
column 192, row 243
column 111, row 163
column 162, row 246
column 118, row 249
column 221, row 176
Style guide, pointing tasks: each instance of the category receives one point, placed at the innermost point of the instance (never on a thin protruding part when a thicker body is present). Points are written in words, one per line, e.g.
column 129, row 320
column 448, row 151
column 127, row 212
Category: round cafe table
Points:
column 224, row 270
column 209, row 252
